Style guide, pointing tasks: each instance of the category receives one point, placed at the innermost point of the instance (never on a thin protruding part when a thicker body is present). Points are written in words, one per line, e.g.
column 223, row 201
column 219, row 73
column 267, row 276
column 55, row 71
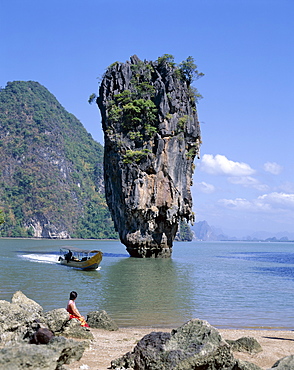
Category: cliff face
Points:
column 152, row 136
column 51, row 170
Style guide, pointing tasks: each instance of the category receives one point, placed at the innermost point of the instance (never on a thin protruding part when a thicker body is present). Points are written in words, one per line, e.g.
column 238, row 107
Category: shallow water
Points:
column 229, row 284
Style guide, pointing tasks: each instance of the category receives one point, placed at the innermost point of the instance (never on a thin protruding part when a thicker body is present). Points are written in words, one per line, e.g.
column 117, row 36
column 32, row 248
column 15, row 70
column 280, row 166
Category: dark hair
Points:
column 73, row 295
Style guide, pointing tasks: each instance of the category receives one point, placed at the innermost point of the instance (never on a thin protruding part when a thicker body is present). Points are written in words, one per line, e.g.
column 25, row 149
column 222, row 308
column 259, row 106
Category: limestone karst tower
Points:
column 152, row 136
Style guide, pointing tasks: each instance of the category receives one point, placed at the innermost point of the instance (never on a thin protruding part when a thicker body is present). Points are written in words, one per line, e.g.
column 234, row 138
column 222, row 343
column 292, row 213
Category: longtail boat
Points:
column 80, row 258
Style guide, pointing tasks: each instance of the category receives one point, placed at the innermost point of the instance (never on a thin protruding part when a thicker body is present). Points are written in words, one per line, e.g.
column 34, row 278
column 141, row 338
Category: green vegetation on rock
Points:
column 134, row 111
column 184, row 234
column 136, row 156
column 51, row 172
column 187, row 71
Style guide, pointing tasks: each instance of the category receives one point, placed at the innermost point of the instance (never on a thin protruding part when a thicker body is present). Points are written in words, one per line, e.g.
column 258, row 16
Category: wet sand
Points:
column 108, row 346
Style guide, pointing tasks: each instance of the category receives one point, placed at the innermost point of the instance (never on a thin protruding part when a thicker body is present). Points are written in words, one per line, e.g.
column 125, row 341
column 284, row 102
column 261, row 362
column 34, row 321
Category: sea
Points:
column 228, row 284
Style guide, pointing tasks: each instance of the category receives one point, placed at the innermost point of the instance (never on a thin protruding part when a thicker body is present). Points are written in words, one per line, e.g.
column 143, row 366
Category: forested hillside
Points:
column 51, row 171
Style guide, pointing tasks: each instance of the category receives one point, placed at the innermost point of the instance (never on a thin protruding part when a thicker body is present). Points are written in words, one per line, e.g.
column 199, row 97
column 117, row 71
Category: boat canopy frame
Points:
column 77, row 252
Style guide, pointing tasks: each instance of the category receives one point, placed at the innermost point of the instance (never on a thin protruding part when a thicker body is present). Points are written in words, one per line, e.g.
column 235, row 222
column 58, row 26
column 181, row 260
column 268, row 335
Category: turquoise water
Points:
column 229, row 284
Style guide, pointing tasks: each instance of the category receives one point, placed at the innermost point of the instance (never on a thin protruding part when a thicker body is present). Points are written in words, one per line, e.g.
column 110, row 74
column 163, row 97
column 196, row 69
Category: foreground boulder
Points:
column 18, row 318
column 195, row 345
column 101, row 320
column 25, row 356
column 58, row 352
column 69, row 350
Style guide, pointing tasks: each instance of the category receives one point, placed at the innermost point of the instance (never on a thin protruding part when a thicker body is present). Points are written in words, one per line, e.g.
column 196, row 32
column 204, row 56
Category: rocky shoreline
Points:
column 195, row 345
column 32, row 338
column 108, row 346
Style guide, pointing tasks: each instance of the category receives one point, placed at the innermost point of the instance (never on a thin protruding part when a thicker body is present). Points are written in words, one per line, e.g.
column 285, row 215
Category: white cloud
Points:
column 248, row 181
column 204, row 187
column 273, row 168
column 243, row 180
column 235, row 203
column 221, row 165
column 264, row 203
column 241, row 204
column 281, row 200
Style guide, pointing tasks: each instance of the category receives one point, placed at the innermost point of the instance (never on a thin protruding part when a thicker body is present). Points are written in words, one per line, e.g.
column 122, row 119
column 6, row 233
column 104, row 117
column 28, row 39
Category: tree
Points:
column 184, row 232
column 167, row 58
column 189, row 70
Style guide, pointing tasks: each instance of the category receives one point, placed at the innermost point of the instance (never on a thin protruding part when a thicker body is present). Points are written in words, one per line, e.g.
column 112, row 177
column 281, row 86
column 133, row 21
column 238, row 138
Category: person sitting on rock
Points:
column 73, row 311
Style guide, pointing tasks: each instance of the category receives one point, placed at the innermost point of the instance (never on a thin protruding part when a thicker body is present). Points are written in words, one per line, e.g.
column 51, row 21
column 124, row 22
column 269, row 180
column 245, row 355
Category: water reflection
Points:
column 147, row 292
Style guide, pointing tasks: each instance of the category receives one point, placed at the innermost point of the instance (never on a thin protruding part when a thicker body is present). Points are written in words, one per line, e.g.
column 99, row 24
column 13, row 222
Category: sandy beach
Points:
column 108, row 346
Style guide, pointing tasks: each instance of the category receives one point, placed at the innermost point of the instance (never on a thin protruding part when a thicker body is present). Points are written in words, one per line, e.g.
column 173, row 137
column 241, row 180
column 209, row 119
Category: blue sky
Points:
column 244, row 179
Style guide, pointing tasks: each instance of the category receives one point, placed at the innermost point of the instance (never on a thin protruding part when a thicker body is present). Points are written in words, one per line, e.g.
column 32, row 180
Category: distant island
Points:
column 202, row 231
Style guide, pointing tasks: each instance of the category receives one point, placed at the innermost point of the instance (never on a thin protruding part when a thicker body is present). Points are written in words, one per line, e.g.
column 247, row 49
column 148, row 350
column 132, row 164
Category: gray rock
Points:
column 51, row 357
column 26, row 303
column 28, row 356
column 16, row 321
column 195, row 345
column 73, row 329
column 69, row 350
column 101, row 320
column 56, row 319
column 146, row 354
column 285, row 363
column 245, row 344
column 148, row 152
